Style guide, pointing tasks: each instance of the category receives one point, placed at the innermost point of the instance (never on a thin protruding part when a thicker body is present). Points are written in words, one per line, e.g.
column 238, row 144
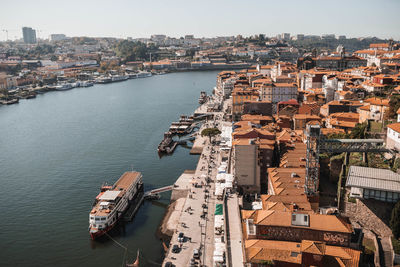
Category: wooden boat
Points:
column 136, row 263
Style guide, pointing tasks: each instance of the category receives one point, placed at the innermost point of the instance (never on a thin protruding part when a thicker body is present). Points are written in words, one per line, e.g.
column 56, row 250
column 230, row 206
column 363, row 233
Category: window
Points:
column 97, row 219
column 305, row 219
column 293, row 217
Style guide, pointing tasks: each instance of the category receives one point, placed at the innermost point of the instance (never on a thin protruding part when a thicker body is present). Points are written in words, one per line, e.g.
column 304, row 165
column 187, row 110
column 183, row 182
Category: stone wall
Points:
column 370, row 214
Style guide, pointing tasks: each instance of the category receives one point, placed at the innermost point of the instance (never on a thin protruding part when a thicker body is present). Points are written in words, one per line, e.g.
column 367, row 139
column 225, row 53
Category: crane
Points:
column 6, row 31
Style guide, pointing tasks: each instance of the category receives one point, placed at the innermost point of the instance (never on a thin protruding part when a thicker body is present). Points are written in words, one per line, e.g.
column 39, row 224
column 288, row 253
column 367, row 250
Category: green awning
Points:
column 218, row 209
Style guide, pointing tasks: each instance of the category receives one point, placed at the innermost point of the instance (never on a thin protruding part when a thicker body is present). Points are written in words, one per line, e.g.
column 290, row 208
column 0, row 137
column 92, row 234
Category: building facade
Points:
column 29, row 35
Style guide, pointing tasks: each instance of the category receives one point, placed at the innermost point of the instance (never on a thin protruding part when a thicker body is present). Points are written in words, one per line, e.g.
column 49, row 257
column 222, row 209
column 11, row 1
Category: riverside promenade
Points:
column 193, row 215
column 196, row 219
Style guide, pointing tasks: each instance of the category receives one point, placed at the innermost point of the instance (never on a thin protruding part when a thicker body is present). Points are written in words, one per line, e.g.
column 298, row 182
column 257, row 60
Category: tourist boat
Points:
column 86, row 84
column 119, row 78
column 64, row 86
column 132, row 75
column 103, row 80
column 112, row 202
column 144, row 74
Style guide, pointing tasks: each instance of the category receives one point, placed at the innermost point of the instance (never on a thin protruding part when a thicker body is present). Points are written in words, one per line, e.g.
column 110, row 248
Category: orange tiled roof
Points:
column 320, row 222
column 395, row 127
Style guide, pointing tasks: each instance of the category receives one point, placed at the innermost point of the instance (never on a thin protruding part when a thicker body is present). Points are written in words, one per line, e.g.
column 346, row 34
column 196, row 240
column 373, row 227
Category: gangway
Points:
column 155, row 192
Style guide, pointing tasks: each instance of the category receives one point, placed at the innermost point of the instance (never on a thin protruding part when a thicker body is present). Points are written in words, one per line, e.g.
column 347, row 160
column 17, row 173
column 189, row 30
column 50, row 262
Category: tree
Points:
column 210, row 132
column 395, row 220
column 394, row 105
column 359, row 132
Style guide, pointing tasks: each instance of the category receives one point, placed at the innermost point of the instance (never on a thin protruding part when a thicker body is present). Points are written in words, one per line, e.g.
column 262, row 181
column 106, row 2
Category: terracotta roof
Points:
column 319, row 222
column 259, row 251
column 366, row 107
column 377, row 101
column 306, row 116
column 395, row 127
column 313, row 247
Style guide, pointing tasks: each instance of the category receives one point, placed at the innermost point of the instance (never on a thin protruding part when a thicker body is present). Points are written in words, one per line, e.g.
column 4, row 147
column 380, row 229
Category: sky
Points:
column 205, row 18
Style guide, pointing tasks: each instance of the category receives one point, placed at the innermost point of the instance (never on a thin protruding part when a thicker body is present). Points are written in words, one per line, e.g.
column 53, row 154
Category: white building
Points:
column 393, row 136
column 277, row 92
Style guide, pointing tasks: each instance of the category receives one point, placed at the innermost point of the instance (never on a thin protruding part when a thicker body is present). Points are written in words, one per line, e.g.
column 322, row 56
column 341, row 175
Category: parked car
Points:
column 196, row 254
column 181, row 237
column 169, row 264
column 176, row 249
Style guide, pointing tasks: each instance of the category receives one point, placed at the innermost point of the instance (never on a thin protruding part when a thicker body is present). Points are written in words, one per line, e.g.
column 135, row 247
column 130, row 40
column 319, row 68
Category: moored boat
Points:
column 112, row 202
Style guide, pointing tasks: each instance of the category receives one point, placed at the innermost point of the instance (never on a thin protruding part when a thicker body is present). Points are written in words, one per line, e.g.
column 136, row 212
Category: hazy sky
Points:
column 208, row 18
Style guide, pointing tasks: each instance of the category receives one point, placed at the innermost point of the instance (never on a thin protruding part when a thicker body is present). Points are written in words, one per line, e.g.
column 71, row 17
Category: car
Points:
column 181, row 237
column 169, row 264
column 175, row 249
column 196, row 254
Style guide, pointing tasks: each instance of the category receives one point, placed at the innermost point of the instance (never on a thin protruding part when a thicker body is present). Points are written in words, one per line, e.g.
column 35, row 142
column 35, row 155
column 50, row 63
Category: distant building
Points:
column 328, row 36
column 300, row 37
column 58, row 37
column 285, row 36
column 29, row 35
column 342, row 37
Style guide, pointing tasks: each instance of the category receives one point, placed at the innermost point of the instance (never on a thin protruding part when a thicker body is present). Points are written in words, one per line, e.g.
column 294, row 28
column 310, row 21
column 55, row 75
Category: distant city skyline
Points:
column 176, row 18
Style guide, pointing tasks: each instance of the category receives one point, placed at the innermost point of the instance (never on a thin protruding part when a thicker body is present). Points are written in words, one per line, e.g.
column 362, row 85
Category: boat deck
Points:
column 126, row 180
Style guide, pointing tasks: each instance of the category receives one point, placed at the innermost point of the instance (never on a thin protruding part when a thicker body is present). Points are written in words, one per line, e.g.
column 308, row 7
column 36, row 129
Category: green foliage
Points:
column 351, row 44
column 132, row 51
column 83, row 40
column 359, row 131
column 395, row 220
column 369, row 246
column 351, row 199
column 396, row 165
column 210, row 132
column 396, row 245
column 394, row 105
column 11, row 69
column 41, row 50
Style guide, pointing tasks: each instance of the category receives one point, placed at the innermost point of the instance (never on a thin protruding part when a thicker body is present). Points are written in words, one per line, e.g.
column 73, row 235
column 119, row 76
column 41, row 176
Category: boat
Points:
column 136, row 263
column 119, row 78
column 112, row 202
column 86, row 84
column 167, row 145
column 64, row 87
column 9, row 101
column 132, row 75
column 144, row 74
column 103, row 80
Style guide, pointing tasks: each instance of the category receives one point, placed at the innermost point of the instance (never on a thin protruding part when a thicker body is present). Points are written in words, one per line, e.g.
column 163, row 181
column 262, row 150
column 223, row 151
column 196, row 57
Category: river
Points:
column 57, row 150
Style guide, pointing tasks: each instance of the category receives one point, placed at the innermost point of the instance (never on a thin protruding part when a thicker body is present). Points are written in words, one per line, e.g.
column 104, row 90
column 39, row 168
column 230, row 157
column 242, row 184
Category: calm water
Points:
column 56, row 151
